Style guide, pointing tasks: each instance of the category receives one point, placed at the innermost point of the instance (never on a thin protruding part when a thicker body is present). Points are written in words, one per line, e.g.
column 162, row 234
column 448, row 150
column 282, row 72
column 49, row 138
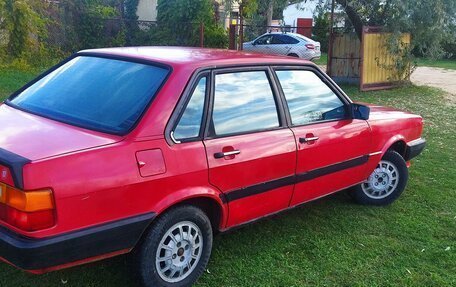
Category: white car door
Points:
column 261, row 45
column 282, row 44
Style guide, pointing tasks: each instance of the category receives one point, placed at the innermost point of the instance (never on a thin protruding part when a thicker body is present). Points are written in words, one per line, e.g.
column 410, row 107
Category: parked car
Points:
column 154, row 149
column 287, row 44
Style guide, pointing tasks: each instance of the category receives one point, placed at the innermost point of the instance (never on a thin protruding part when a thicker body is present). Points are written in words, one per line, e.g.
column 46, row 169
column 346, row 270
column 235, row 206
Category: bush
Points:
column 215, row 37
column 321, row 31
column 450, row 49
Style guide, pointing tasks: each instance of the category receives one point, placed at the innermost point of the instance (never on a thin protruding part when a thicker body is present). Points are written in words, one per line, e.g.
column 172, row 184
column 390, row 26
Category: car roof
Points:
column 195, row 58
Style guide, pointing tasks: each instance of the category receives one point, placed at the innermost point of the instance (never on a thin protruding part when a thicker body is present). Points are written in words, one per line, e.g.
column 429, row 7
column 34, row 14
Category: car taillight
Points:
column 310, row 46
column 26, row 210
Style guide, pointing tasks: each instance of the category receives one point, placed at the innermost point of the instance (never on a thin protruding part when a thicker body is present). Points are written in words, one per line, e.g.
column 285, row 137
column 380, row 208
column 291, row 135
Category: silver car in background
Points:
column 288, row 44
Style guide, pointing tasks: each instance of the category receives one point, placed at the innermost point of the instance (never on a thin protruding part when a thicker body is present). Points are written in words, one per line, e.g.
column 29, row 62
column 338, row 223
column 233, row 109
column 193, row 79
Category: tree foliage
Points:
column 431, row 23
column 86, row 24
column 179, row 23
column 185, row 11
column 23, row 26
column 321, row 29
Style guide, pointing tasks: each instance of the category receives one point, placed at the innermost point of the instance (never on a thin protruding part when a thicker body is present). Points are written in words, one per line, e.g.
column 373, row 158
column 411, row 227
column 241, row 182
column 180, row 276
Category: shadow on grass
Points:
column 117, row 271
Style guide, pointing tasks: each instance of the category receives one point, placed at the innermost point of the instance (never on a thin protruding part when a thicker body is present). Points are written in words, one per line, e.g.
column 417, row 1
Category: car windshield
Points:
column 96, row 93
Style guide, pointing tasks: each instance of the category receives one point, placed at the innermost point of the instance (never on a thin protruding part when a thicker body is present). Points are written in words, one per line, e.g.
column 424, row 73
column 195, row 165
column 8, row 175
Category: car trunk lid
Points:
column 34, row 137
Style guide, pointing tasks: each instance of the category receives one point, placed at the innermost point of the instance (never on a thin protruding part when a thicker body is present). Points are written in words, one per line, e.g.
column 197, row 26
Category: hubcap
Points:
column 179, row 251
column 382, row 182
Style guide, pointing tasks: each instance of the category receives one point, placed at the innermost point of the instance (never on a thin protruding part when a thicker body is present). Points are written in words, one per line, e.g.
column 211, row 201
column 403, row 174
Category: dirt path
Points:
column 436, row 77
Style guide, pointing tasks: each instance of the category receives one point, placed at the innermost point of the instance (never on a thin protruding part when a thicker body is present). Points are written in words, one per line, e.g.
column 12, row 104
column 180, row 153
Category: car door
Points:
column 282, row 44
column 250, row 152
column 333, row 148
column 262, row 44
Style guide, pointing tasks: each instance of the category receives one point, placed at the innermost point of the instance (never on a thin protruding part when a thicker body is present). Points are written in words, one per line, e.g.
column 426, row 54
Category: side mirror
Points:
column 360, row 112
column 254, row 43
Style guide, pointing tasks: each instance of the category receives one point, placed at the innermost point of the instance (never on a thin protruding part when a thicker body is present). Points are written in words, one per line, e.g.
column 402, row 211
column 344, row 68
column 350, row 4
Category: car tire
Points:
column 293, row 55
column 385, row 184
column 167, row 255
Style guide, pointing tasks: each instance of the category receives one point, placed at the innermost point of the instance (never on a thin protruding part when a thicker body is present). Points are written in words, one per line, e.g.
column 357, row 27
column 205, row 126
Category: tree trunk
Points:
column 269, row 14
column 354, row 17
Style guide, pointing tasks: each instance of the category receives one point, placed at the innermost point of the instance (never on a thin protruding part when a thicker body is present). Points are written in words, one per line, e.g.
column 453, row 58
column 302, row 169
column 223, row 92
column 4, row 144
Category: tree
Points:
column 85, row 24
column 429, row 22
column 171, row 12
column 179, row 23
column 260, row 12
column 22, row 24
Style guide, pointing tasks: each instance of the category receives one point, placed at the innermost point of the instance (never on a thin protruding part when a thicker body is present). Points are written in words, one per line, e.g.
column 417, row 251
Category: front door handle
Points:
column 228, row 153
column 308, row 139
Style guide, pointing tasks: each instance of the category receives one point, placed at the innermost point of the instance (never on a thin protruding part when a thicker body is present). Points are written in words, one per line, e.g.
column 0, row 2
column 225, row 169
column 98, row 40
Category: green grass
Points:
column 443, row 63
column 11, row 80
column 332, row 241
column 323, row 59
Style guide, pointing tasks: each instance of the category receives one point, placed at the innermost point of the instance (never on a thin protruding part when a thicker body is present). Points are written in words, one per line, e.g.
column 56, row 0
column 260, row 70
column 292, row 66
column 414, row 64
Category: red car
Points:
column 153, row 150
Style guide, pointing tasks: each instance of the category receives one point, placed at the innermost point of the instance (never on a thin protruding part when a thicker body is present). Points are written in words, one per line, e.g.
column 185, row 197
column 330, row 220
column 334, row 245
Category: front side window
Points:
column 308, row 98
column 265, row 40
column 243, row 102
column 95, row 93
column 190, row 122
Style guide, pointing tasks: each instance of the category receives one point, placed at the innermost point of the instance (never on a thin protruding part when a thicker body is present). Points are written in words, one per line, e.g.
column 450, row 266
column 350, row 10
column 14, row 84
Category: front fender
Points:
column 394, row 139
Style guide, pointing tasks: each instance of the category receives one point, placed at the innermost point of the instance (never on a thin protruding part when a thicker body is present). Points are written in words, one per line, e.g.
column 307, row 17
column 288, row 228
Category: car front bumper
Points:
column 414, row 148
column 39, row 255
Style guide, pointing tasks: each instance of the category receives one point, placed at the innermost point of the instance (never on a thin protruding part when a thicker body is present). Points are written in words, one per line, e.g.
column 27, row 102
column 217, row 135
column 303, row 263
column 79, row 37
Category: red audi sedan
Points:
column 153, row 150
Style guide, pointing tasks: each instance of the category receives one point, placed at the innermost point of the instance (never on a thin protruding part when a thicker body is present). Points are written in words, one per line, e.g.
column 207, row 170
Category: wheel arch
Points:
column 210, row 201
column 396, row 143
column 399, row 146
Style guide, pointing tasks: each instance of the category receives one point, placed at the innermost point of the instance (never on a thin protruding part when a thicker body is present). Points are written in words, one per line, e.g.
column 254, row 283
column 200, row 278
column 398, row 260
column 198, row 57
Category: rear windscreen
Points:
column 96, row 93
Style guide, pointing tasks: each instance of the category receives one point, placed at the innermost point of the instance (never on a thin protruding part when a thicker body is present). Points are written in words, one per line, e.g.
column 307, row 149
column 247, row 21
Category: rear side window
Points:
column 308, row 98
column 190, row 122
column 243, row 102
column 284, row 39
column 96, row 93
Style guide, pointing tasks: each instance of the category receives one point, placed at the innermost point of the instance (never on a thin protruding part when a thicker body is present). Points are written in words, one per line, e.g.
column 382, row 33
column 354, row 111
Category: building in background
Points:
column 147, row 11
column 302, row 10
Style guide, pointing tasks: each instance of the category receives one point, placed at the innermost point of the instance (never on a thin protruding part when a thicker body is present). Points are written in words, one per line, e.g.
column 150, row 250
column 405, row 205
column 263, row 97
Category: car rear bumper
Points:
column 414, row 148
column 39, row 255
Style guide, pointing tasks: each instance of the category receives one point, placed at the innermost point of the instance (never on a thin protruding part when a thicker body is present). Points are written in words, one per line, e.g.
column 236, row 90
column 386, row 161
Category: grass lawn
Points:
column 332, row 241
column 323, row 59
column 443, row 63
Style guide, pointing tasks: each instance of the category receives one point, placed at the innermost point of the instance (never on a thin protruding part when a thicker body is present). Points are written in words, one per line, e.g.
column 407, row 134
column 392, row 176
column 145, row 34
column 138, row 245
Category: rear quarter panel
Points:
column 104, row 184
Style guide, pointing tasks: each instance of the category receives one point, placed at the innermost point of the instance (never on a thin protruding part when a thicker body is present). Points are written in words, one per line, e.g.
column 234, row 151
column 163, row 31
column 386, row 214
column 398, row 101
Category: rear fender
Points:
column 196, row 192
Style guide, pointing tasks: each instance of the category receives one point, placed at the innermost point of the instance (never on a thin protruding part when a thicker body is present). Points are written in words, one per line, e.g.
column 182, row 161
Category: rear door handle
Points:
column 228, row 153
column 308, row 139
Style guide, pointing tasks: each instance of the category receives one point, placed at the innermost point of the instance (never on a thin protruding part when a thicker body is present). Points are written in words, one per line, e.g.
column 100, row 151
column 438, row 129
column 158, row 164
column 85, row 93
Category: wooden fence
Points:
column 379, row 69
column 367, row 62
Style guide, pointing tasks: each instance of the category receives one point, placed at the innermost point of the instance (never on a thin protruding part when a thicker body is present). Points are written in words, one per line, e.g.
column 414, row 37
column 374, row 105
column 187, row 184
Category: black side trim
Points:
column 332, row 168
column 414, row 148
column 36, row 254
column 260, row 188
column 15, row 163
column 289, row 180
